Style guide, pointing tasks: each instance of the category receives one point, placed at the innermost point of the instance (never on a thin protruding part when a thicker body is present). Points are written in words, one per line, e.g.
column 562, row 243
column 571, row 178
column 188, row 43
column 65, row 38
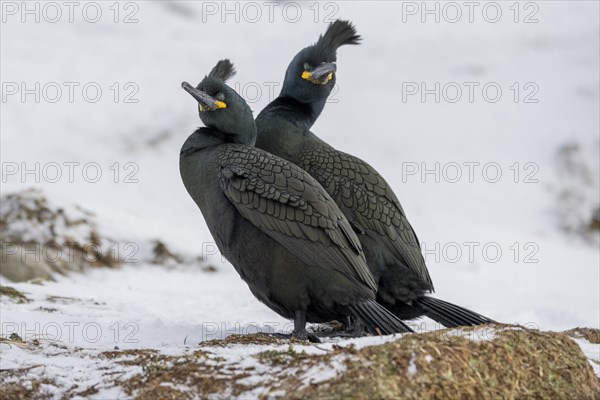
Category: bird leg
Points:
column 300, row 331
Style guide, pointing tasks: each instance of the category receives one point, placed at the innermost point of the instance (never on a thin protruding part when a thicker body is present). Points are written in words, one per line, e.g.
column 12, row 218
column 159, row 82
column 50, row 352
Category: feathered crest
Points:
column 338, row 34
column 223, row 70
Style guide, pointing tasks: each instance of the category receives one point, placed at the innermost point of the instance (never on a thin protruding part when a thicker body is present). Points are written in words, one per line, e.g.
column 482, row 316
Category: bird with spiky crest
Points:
column 311, row 75
column 213, row 95
column 278, row 227
column 391, row 246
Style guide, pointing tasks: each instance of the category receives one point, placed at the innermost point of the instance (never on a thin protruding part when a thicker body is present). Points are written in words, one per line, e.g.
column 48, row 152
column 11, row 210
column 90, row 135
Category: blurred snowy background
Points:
column 472, row 95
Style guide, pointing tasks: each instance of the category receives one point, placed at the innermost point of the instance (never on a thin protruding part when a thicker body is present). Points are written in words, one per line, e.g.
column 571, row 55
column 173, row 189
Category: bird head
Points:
column 220, row 107
column 310, row 77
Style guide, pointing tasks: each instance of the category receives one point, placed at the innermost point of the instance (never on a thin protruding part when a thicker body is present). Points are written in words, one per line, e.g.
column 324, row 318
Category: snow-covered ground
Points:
column 494, row 244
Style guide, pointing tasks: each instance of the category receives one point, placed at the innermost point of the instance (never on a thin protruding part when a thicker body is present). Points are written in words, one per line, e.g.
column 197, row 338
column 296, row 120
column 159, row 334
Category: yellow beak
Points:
column 307, row 75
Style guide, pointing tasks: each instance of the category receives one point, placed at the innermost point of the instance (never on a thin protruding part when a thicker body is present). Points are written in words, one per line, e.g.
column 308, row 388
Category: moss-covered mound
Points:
column 515, row 364
column 481, row 363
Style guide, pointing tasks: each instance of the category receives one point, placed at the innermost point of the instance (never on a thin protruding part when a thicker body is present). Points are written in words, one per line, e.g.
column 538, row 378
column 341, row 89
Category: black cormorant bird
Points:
column 390, row 244
column 279, row 228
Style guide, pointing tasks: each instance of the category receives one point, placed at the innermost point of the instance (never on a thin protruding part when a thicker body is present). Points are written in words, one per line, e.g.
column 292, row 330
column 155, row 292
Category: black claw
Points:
column 313, row 338
column 305, row 336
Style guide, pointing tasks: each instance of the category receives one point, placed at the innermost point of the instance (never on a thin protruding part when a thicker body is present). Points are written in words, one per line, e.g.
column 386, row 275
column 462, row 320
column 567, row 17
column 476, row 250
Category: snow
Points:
column 322, row 373
column 412, row 366
column 131, row 311
column 591, row 351
column 67, row 367
column 545, row 278
column 137, row 307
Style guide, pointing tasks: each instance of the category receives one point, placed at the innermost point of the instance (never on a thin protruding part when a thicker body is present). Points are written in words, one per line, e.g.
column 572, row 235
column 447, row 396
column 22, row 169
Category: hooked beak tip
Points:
column 187, row 87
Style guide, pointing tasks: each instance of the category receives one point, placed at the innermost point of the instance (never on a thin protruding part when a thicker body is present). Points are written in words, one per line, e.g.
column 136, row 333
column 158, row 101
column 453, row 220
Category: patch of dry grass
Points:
column 13, row 294
column 174, row 377
column 516, row 364
column 257, row 338
column 591, row 335
column 25, row 391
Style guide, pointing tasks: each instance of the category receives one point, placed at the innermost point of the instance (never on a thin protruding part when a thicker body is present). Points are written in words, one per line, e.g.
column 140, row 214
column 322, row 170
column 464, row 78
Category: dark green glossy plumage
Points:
column 282, row 232
column 389, row 241
column 287, row 203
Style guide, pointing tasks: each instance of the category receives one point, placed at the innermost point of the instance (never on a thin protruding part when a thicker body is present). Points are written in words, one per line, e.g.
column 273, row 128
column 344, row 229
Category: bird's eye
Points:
column 307, row 67
column 220, row 96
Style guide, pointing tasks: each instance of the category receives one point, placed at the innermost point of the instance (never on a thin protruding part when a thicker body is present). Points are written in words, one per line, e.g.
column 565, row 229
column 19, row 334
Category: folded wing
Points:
column 367, row 200
column 289, row 205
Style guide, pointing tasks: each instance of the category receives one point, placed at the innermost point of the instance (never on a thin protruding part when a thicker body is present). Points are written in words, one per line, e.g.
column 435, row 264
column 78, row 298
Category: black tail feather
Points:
column 450, row 315
column 377, row 319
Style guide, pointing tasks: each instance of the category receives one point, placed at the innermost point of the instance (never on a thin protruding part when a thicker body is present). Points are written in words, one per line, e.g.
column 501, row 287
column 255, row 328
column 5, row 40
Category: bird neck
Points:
column 203, row 139
column 302, row 114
